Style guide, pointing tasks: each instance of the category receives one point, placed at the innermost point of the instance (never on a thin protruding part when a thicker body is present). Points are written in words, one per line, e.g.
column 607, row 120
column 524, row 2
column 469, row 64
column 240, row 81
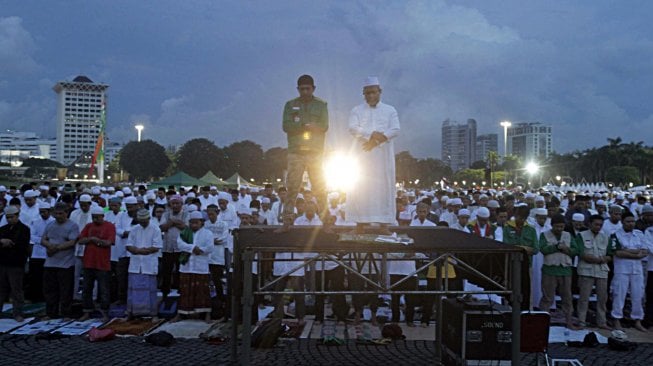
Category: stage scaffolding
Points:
column 495, row 266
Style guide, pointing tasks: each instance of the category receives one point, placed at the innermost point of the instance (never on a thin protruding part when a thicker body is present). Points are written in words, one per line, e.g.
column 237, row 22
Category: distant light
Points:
column 532, row 168
column 505, row 124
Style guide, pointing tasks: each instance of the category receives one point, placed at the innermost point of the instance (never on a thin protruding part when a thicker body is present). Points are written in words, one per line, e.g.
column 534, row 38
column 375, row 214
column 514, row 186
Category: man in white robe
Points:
column 373, row 125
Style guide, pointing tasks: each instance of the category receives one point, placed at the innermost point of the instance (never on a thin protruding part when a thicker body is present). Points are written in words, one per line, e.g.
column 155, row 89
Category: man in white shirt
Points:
column 613, row 223
column 34, row 290
column 221, row 235
column 143, row 244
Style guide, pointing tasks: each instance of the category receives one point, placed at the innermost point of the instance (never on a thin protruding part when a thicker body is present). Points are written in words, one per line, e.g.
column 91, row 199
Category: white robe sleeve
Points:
column 355, row 127
column 393, row 129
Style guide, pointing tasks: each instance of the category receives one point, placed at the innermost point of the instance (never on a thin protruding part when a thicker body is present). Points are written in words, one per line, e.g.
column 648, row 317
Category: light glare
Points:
column 341, row 172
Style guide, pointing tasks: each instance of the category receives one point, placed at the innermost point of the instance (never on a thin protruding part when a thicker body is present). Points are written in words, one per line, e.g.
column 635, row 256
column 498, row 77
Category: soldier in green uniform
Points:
column 305, row 121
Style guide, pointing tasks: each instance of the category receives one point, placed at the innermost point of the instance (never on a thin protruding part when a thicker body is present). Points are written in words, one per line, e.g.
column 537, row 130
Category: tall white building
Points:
column 16, row 146
column 79, row 112
column 530, row 141
column 458, row 143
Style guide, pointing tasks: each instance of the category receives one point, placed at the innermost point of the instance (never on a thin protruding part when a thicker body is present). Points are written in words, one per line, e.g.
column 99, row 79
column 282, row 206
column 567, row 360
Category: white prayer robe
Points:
column 372, row 200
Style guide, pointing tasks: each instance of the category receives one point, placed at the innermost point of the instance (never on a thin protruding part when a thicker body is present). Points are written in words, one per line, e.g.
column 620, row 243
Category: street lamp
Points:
column 532, row 168
column 505, row 125
column 139, row 128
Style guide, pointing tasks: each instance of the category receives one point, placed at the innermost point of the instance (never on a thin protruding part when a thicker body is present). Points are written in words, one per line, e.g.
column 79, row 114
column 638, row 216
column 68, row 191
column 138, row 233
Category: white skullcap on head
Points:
column 95, row 191
column 600, row 203
column 196, row 215
column 244, row 211
column 213, row 188
column 455, row 201
column 578, row 217
column 131, row 200
column 127, row 190
column 85, row 198
column 493, row 204
column 371, row 81
column 444, row 198
column 224, row 196
column 150, row 196
column 483, row 212
column 97, row 210
column 541, row 211
column 463, row 212
column 120, row 194
column 192, row 208
column 31, row 194
column 190, row 195
column 539, row 199
column 265, row 200
column 111, row 189
column 44, row 206
column 44, row 188
column 3, row 189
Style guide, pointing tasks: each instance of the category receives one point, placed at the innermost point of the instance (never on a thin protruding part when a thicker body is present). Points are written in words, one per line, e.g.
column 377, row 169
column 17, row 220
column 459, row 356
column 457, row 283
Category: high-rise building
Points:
column 485, row 144
column 458, row 144
column 16, row 146
column 79, row 113
column 530, row 141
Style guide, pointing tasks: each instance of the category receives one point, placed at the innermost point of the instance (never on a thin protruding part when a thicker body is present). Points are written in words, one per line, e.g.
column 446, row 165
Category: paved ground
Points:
column 26, row 350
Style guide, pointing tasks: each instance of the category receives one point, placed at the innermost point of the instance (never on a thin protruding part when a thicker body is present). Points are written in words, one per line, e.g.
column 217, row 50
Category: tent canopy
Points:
column 211, row 178
column 237, row 180
column 179, row 179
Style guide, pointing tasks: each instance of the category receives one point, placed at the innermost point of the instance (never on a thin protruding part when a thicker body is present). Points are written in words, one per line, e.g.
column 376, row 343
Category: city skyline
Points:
column 224, row 71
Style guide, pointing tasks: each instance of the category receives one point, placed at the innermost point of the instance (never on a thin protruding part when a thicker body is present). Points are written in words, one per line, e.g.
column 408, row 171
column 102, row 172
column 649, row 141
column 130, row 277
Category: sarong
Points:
column 141, row 295
column 194, row 294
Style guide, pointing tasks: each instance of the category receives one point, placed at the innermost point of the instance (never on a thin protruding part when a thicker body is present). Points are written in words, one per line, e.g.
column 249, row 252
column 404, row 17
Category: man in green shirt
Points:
column 559, row 249
column 305, row 121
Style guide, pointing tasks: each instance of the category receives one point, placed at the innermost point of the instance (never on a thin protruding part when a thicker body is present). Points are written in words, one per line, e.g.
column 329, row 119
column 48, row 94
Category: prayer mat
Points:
column 79, row 328
column 35, row 309
column 190, row 328
column 133, row 327
column 330, row 333
column 41, row 327
column 7, row 325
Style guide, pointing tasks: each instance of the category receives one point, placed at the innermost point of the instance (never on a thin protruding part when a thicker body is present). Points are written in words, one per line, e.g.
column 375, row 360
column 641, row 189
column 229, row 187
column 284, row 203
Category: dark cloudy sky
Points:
column 223, row 70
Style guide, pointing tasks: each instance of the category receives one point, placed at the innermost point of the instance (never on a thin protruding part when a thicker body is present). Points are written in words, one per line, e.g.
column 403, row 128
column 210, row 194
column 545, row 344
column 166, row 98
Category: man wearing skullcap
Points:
column 463, row 220
column 217, row 263
column 196, row 244
column 97, row 239
column 34, row 288
column 305, row 122
column 595, row 253
column 518, row 232
column 29, row 209
column 59, row 241
column 630, row 248
column 143, row 245
column 541, row 223
column 613, row 223
column 173, row 221
column 14, row 247
column 559, row 248
column 373, row 125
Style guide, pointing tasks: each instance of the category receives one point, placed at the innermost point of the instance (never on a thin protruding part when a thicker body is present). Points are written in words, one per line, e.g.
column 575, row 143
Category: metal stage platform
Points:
column 495, row 266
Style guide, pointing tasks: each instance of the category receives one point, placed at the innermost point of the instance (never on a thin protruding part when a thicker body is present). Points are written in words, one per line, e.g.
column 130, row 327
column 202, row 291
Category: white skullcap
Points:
column 371, row 81
column 111, row 189
column 483, row 212
column 131, row 200
column 254, row 189
column 191, row 208
column 620, row 197
column 444, row 199
column 213, row 188
column 190, row 195
column 539, row 199
column 244, row 211
column 120, row 194
column 455, row 201
column 3, row 189
column 95, row 191
column 44, row 188
column 578, row 217
column 31, row 194
column 85, row 198
column 493, row 204
column 541, row 212
column 127, row 190
column 600, row 203
column 97, row 210
column 463, row 212
column 265, row 200
column 196, row 215
column 224, row 196
column 150, row 196
column 44, row 206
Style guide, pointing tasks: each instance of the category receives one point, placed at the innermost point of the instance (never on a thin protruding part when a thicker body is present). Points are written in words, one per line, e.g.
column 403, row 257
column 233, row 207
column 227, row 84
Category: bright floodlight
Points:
column 532, row 168
column 505, row 124
column 139, row 128
column 341, row 172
